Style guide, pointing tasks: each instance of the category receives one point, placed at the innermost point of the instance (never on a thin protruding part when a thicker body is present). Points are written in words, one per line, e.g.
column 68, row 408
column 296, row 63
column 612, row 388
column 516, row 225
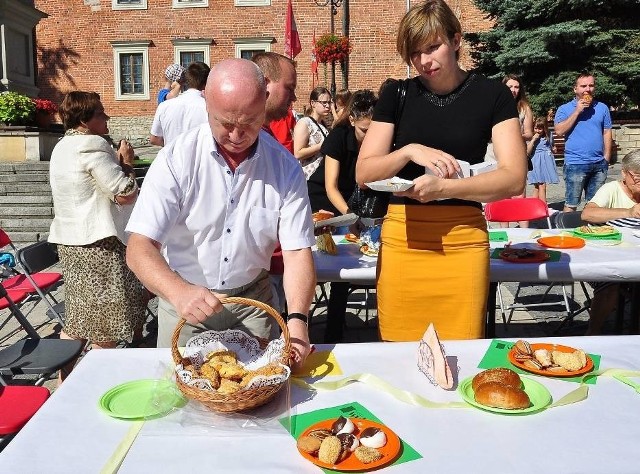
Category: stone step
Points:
column 20, row 188
column 25, row 225
column 26, row 211
column 25, row 178
column 25, row 167
column 20, row 239
column 23, row 200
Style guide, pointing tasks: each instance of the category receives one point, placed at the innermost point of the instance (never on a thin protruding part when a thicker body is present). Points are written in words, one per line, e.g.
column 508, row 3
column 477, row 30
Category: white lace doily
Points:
column 247, row 349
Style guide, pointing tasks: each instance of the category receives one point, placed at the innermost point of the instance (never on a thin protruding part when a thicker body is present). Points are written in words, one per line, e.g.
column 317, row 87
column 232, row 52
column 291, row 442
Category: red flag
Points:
column 292, row 46
column 314, row 62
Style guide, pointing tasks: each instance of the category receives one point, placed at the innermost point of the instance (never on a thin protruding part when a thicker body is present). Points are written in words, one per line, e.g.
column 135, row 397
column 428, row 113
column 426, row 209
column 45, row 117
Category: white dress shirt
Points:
column 179, row 115
column 220, row 228
column 85, row 176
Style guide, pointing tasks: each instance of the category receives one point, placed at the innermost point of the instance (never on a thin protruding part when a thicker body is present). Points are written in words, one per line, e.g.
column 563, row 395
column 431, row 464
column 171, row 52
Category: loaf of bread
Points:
column 499, row 395
column 501, row 375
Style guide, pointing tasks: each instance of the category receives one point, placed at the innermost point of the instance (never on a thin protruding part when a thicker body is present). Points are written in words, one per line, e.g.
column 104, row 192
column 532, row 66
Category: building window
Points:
column 245, row 48
column 131, row 69
column 187, row 51
column 252, row 3
column 190, row 3
column 128, row 4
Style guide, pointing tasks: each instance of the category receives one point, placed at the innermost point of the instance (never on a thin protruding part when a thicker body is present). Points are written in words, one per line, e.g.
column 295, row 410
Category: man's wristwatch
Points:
column 302, row 317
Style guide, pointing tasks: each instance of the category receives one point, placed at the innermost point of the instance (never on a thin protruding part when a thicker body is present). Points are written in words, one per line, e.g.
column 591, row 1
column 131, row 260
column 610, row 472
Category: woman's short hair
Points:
column 631, row 161
column 78, row 107
column 424, row 24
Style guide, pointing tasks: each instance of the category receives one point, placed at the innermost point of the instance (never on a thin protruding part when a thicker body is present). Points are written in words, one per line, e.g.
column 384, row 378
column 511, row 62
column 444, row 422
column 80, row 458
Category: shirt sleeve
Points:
column 296, row 225
column 604, row 196
column 156, row 126
column 385, row 109
column 99, row 159
column 162, row 95
column 158, row 206
column 335, row 143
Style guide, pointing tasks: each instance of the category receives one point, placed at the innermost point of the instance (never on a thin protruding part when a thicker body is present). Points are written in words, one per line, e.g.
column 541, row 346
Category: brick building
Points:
column 120, row 48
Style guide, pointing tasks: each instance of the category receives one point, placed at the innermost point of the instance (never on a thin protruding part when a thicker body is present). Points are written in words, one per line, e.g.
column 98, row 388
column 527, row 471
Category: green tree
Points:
column 549, row 42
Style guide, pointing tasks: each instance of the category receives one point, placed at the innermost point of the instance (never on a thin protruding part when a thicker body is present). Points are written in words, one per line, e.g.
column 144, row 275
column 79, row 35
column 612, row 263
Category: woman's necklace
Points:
column 446, row 99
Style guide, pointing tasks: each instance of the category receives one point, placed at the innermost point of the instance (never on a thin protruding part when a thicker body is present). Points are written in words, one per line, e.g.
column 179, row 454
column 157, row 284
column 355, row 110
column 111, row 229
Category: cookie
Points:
column 330, row 450
column 367, row 455
column 309, row 444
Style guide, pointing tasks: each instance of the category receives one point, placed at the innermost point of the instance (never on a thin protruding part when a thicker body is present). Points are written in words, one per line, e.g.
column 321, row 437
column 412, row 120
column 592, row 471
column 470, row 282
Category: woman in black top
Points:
column 434, row 260
column 332, row 183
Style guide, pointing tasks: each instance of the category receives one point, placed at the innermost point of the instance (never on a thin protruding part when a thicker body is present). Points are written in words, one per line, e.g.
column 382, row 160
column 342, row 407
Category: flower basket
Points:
column 332, row 48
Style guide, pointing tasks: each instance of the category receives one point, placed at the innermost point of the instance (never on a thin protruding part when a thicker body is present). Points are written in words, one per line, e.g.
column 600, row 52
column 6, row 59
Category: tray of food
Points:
column 349, row 444
column 551, row 360
column 597, row 232
column 501, row 390
column 514, row 255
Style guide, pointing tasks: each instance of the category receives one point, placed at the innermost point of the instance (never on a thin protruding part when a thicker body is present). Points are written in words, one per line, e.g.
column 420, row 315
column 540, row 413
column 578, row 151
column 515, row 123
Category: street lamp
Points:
column 332, row 12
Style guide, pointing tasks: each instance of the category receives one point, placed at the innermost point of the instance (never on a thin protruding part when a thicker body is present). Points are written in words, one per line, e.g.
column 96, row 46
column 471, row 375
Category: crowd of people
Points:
column 226, row 207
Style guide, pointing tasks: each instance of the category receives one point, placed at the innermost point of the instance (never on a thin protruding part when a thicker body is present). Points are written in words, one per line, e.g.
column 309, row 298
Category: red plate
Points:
column 510, row 255
column 389, row 451
column 546, row 373
column 562, row 242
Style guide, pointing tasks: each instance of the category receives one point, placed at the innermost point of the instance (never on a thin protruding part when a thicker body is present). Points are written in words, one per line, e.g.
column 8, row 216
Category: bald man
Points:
column 216, row 201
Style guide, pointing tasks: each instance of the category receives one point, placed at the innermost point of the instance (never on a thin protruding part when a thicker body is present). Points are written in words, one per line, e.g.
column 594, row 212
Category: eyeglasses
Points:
column 325, row 103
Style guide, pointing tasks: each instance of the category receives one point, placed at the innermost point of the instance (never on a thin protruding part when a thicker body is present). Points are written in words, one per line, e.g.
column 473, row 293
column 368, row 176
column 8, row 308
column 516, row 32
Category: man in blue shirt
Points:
column 586, row 125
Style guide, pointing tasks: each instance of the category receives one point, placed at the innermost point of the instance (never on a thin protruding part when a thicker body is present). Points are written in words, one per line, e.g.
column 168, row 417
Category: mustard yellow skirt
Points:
column 433, row 267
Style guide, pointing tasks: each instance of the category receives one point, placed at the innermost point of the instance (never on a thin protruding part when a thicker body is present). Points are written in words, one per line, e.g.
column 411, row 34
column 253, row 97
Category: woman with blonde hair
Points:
column 434, row 258
column 310, row 131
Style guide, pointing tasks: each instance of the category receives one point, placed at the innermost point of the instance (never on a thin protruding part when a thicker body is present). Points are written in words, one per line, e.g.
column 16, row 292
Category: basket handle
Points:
column 177, row 358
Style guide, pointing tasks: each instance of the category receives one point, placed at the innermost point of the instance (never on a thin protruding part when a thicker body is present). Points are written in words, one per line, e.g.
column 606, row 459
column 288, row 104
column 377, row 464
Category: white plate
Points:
column 391, row 185
column 338, row 221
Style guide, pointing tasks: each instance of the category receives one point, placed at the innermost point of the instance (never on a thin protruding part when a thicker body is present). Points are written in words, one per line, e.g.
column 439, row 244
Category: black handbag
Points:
column 366, row 202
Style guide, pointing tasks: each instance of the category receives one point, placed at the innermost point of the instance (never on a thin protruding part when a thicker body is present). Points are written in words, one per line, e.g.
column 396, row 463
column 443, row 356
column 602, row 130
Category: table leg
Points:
column 635, row 308
column 490, row 327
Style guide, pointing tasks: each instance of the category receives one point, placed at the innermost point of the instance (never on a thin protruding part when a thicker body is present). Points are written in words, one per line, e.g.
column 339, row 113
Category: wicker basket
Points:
column 244, row 399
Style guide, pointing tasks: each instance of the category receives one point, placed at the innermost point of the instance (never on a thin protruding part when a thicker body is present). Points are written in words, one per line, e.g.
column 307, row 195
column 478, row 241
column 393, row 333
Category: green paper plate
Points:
column 538, row 394
column 613, row 235
column 141, row 399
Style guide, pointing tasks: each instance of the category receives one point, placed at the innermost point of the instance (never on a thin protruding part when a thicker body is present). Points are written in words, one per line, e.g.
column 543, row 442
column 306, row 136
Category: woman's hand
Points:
column 441, row 164
column 126, row 153
column 425, row 188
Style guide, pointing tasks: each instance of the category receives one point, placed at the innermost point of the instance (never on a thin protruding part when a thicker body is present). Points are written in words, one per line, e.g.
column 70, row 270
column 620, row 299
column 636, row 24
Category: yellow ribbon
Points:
column 579, row 394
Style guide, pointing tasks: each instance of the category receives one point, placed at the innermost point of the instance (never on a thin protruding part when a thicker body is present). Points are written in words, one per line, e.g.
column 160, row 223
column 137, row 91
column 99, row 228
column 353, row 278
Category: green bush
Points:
column 16, row 109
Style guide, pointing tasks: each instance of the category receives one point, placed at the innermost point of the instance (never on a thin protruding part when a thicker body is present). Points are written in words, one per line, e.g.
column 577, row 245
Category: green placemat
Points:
column 497, row 356
column 498, row 236
column 142, row 161
column 299, row 423
column 554, row 255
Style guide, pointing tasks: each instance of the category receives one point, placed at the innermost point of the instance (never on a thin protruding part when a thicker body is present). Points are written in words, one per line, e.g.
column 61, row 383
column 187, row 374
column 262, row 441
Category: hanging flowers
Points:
column 332, row 48
column 45, row 105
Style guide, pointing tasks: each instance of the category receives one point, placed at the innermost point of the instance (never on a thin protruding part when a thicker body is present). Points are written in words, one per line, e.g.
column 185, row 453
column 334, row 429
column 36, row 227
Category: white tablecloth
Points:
column 70, row 435
column 596, row 261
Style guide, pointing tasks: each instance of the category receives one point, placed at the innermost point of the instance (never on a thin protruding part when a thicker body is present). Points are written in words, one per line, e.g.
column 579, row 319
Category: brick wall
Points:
column 74, row 49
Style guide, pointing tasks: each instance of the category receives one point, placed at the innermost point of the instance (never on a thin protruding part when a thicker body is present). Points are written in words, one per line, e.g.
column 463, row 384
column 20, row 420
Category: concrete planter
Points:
column 27, row 143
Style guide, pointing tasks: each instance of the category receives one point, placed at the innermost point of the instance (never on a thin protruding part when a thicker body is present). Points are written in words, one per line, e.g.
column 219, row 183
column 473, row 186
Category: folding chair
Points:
column 571, row 220
column 32, row 260
column 34, row 355
column 17, row 405
column 521, row 209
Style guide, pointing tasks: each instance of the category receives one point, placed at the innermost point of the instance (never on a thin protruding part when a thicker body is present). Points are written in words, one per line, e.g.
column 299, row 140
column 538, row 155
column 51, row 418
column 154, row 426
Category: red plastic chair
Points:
column 521, row 209
column 32, row 260
column 17, row 405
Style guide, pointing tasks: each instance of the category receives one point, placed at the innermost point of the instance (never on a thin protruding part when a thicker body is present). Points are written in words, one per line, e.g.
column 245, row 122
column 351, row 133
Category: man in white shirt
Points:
column 185, row 112
column 218, row 199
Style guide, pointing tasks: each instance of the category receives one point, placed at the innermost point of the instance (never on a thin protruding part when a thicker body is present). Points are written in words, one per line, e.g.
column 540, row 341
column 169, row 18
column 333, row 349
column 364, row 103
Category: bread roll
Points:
column 505, row 376
column 498, row 395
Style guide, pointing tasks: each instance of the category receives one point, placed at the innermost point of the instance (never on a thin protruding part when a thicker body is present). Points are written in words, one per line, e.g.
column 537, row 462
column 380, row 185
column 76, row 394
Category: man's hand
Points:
column 300, row 346
column 126, row 154
column 196, row 304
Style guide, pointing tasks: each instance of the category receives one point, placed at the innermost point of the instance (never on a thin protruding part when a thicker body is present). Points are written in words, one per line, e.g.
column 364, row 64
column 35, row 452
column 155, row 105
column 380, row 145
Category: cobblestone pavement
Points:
column 359, row 328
